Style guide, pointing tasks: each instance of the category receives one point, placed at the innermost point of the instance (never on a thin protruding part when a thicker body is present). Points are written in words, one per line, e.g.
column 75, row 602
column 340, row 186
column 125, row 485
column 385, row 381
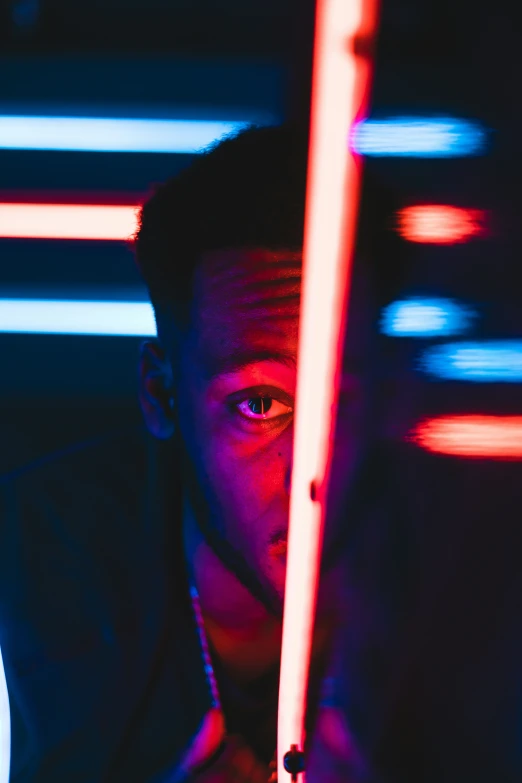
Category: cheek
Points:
column 248, row 495
column 242, row 474
column 247, row 474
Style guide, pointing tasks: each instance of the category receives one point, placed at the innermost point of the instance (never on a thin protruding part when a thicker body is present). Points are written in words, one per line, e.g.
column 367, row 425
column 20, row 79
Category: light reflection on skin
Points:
column 243, row 344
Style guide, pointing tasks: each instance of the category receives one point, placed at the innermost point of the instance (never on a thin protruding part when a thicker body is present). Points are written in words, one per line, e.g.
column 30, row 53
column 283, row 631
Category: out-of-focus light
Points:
column 439, row 224
column 57, row 316
column 67, row 221
column 5, row 727
column 493, row 437
column 104, row 134
column 483, row 362
column 25, row 13
column 425, row 317
column 424, row 137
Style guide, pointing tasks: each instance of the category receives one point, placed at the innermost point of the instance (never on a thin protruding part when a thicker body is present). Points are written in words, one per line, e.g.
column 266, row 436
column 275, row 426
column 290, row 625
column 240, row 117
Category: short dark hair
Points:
column 248, row 191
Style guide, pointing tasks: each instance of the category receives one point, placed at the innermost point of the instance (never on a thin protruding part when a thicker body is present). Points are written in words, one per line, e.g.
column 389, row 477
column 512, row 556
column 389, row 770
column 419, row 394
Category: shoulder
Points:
column 73, row 542
column 79, row 485
column 92, row 643
column 120, row 453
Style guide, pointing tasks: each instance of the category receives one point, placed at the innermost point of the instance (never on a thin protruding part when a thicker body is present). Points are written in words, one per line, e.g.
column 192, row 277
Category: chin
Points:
column 277, row 573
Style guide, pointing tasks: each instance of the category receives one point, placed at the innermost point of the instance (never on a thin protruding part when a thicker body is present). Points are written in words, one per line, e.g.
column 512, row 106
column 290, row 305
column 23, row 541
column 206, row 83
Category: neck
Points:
column 242, row 634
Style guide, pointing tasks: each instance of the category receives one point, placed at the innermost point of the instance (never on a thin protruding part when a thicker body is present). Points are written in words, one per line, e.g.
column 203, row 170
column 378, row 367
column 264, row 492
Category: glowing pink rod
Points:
column 68, row 221
column 345, row 30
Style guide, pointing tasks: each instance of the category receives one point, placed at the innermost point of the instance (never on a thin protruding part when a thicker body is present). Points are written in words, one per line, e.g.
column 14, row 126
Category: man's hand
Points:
column 236, row 763
column 215, row 757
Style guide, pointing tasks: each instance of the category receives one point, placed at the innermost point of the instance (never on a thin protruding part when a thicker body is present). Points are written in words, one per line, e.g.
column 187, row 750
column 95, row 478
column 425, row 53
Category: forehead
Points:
column 246, row 307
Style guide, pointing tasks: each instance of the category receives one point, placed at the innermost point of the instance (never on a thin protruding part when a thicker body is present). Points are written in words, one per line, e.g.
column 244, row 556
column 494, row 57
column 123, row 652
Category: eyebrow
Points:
column 243, row 357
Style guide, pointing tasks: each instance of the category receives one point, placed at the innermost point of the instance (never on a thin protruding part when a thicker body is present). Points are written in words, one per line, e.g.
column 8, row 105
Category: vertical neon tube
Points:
column 341, row 80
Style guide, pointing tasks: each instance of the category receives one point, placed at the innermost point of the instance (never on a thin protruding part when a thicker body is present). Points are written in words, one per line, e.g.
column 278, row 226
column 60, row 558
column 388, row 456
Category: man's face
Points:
column 235, row 394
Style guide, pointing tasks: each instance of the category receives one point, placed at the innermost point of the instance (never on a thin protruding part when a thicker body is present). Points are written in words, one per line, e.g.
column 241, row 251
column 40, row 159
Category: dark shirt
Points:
column 102, row 659
column 251, row 711
column 100, row 651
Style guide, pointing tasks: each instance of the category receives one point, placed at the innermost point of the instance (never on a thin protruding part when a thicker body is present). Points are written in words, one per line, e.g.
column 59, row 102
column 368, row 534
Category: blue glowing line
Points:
column 58, row 316
column 424, row 317
column 494, row 361
column 100, row 134
column 440, row 137
column 5, row 727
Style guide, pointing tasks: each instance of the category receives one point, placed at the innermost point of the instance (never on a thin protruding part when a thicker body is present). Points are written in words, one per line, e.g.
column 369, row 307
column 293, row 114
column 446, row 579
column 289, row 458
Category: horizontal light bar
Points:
column 103, row 134
column 440, row 137
column 439, row 224
column 425, row 317
column 482, row 362
column 67, row 221
column 5, row 727
column 58, row 316
column 493, row 437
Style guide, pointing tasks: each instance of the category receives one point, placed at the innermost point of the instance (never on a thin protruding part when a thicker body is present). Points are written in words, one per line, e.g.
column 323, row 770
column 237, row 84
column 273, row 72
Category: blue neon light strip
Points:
column 494, row 361
column 422, row 317
column 437, row 137
column 100, row 134
column 5, row 727
column 58, row 316
column 425, row 318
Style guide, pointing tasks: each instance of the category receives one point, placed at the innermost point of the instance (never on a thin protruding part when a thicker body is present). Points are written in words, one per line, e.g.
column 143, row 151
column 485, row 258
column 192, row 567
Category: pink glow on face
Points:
column 67, row 221
column 439, row 224
column 492, row 437
column 341, row 81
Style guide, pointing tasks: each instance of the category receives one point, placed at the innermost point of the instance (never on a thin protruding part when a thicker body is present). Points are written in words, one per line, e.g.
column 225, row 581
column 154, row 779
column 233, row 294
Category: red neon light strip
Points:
column 67, row 221
column 492, row 437
column 439, row 224
column 340, row 89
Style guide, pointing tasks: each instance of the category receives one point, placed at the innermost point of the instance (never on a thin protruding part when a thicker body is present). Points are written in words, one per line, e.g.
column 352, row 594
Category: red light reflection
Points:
column 439, row 224
column 493, row 437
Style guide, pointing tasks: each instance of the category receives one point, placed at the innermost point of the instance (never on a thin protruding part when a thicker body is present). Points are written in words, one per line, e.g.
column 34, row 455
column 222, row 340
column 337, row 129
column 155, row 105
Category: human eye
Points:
column 260, row 405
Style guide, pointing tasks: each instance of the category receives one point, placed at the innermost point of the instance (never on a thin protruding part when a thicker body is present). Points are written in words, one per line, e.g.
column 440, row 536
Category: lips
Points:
column 278, row 546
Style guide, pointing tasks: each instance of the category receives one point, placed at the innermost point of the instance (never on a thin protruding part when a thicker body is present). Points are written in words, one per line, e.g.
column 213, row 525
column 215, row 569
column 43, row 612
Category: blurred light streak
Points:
column 104, row 134
column 340, row 92
column 5, row 727
column 439, row 224
column 58, row 316
column 493, row 437
column 494, row 361
column 25, row 13
column 425, row 317
column 67, row 221
column 423, row 137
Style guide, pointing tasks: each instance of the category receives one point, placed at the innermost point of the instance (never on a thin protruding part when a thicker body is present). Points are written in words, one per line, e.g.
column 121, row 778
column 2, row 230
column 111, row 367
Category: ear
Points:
column 156, row 390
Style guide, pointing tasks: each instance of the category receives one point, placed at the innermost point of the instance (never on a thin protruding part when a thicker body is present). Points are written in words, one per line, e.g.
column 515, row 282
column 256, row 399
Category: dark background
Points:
column 235, row 59
column 457, row 677
column 116, row 57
